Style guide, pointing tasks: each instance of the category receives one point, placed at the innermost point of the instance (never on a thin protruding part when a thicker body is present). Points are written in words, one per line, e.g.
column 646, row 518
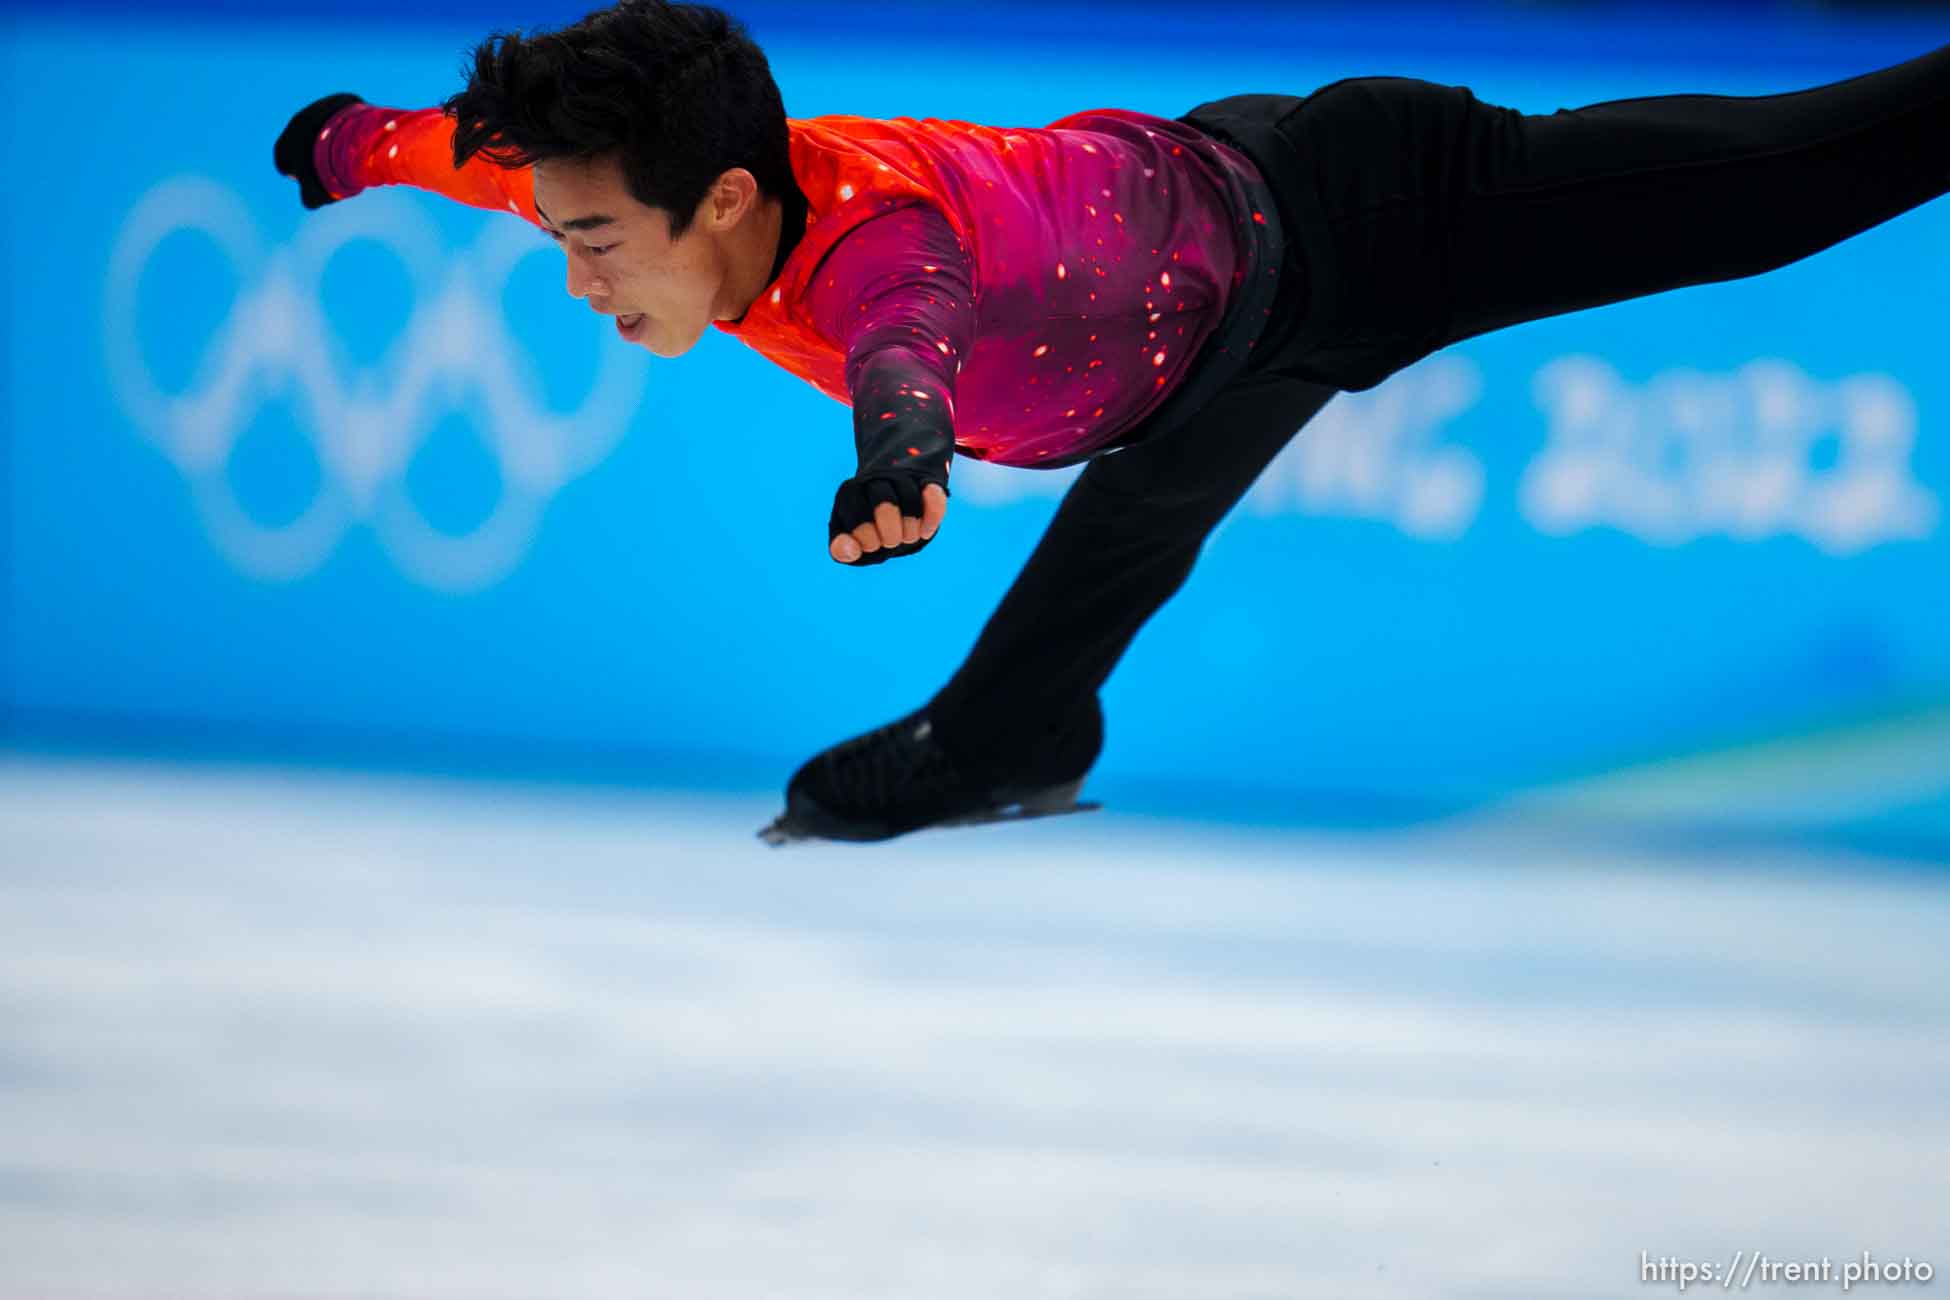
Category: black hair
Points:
column 678, row 92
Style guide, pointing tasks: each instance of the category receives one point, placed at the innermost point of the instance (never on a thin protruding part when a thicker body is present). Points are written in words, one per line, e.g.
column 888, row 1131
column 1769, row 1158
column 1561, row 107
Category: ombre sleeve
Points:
column 365, row 145
column 896, row 295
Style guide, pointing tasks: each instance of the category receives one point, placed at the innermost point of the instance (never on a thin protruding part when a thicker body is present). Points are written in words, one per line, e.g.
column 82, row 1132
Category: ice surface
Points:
column 282, row 1034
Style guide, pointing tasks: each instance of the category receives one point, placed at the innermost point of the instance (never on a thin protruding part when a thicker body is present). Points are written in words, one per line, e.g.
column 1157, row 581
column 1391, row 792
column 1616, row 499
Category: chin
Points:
column 663, row 345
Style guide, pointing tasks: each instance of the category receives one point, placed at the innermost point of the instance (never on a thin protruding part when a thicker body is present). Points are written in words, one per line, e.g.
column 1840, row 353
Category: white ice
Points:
column 285, row 1034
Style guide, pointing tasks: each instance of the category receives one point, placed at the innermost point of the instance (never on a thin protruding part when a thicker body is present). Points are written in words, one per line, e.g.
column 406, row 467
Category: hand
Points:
column 293, row 152
column 897, row 516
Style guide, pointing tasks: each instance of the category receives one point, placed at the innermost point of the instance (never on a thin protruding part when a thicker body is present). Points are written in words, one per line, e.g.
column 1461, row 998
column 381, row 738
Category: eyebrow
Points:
column 577, row 223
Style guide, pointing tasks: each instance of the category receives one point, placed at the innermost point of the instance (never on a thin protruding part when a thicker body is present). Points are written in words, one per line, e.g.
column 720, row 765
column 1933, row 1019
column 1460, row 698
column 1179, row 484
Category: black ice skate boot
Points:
column 898, row 778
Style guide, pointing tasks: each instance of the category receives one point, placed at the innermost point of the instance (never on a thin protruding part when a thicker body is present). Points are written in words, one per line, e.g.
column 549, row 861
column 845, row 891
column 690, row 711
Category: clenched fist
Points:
column 884, row 515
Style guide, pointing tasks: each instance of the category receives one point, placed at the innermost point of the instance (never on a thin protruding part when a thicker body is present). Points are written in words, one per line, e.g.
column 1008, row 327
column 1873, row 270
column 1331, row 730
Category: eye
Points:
column 598, row 252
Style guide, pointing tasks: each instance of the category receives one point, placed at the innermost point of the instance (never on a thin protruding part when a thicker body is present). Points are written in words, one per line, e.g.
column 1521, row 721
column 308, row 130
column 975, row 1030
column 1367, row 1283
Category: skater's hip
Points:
column 1357, row 169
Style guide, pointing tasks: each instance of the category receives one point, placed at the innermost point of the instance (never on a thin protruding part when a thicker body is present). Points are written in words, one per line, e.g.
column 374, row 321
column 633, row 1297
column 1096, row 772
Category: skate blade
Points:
column 781, row 833
column 1050, row 803
column 1015, row 813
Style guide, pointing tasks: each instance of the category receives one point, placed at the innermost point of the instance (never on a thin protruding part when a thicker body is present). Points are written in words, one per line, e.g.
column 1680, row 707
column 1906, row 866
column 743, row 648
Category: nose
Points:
column 582, row 280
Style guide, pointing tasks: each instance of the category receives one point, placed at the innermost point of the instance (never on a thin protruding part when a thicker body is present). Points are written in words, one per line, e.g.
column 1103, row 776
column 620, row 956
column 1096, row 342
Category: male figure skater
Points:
column 1169, row 300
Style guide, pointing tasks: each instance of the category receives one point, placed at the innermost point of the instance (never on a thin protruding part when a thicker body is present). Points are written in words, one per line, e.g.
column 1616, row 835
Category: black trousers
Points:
column 1417, row 216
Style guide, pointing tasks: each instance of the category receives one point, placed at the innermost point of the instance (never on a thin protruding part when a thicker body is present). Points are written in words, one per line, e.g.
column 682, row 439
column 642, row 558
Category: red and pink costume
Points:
column 1027, row 296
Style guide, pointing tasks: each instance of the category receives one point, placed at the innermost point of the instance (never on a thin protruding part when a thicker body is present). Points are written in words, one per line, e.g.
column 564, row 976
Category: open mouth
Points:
column 629, row 326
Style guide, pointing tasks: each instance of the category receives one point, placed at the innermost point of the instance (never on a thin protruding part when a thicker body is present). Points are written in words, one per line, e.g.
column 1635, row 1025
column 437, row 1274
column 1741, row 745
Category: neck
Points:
column 781, row 225
column 757, row 260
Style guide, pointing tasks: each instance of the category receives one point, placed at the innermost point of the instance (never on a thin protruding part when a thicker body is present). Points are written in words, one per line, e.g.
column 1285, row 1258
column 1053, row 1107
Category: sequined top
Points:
column 1026, row 296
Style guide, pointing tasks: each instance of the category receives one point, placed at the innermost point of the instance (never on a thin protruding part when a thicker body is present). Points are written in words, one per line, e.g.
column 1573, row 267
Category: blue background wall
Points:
column 366, row 483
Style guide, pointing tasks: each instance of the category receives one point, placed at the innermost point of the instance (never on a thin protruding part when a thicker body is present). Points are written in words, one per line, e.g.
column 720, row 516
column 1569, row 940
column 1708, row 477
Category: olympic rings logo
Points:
column 365, row 428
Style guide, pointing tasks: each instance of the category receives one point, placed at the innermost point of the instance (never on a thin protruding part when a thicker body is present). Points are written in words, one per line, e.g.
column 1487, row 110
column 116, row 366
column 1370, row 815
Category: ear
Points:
column 733, row 194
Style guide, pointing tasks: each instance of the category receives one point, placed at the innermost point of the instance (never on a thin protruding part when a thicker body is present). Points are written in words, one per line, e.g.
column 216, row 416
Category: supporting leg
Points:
column 1122, row 542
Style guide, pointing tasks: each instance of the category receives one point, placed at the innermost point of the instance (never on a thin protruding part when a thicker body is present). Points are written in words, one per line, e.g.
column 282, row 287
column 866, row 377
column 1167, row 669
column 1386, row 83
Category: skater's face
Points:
column 624, row 262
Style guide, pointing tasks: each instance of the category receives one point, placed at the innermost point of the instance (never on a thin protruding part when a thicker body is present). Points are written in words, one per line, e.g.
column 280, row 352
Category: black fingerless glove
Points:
column 854, row 505
column 293, row 152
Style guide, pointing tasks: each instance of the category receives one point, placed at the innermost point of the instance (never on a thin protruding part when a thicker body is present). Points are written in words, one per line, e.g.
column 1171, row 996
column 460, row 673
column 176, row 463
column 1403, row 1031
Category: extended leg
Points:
column 1431, row 217
column 1636, row 196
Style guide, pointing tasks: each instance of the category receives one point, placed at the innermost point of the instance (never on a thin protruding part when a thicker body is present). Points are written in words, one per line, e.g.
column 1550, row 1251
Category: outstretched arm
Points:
column 896, row 294
column 340, row 145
